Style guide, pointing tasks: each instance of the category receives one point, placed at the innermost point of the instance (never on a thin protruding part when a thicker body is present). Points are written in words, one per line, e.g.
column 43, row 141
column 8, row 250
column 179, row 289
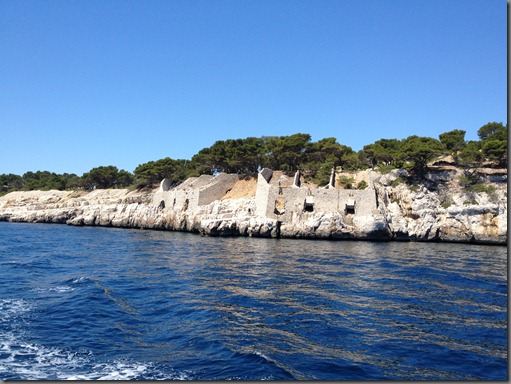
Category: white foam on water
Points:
column 114, row 371
column 121, row 371
column 77, row 280
column 62, row 289
column 126, row 370
column 261, row 355
column 21, row 359
column 35, row 362
column 13, row 307
column 26, row 361
column 59, row 289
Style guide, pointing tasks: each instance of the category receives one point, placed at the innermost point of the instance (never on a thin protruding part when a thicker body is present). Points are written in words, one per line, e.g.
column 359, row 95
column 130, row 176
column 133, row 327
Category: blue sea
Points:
column 103, row 303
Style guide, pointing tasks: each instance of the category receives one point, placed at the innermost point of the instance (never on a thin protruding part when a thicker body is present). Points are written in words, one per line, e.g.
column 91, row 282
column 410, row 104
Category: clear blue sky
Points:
column 101, row 82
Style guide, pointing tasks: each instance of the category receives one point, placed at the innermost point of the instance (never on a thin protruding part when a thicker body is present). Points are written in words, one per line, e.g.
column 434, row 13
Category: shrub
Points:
column 384, row 169
column 414, row 187
column 346, row 182
column 398, row 181
column 481, row 187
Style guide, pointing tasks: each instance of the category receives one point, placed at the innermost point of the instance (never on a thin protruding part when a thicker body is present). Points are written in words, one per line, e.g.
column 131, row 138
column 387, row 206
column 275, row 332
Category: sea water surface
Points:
column 104, row 303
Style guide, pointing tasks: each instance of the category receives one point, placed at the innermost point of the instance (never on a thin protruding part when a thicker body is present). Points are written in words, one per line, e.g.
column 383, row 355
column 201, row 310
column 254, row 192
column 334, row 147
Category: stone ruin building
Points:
column 277, row 201
column 194, row 192
column 274, row 199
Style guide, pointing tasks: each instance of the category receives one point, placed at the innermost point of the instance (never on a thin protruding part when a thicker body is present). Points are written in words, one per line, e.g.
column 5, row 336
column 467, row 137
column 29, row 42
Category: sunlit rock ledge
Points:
column 274, row 204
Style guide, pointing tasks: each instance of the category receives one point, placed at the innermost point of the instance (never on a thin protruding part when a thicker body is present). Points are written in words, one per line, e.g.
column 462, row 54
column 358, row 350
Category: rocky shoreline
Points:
column 437, row 209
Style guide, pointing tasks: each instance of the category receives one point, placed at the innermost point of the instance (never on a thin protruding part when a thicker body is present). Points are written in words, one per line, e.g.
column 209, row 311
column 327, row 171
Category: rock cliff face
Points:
column 437, row 209
column 112, row 207
column 441, row 209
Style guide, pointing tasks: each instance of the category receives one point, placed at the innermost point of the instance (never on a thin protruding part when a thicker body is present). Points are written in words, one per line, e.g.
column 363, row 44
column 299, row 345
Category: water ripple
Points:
column 96, row 303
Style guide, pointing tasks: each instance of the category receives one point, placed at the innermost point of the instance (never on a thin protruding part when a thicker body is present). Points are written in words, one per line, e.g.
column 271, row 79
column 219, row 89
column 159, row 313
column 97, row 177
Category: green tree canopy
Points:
column 327, row 148
column 453, row 140
column 491, row 129
column 231, row 156
column 495, row 150
column 384, row 152
column 45, row 180
column 287, row 152
column 471, row 154
column 421, row 150
column 236, row 156
column 320, row 157
column 494, row 142
column 353, row 161
column 153, row 172
column 10, row 182
column 201, row 163
column 106, row 177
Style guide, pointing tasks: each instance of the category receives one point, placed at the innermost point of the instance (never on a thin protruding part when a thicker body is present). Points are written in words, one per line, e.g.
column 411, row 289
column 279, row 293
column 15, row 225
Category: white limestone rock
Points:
column 404, row 212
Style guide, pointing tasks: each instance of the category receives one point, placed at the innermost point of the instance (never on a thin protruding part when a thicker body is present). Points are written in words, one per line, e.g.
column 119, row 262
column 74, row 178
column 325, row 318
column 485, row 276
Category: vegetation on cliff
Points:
column 287, row 153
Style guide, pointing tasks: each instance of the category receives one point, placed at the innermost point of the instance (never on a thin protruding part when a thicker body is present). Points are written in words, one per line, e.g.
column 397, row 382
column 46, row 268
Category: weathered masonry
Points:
column 272, row 200
column 281, row 203
column 193, row 192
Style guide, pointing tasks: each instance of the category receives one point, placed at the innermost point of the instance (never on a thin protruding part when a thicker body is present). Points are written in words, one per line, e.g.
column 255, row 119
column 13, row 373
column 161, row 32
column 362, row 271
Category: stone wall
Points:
column 262, row 196
column 217, row 188
column 177, row 199
column 278, row 202
column 194, row 192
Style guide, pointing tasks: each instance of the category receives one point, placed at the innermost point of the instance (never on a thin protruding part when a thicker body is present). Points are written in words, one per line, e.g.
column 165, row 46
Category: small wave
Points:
column 62, row 289
column 58, row 289
column 127, row 370
column 261, row 355
column 22, row 360
column 115, row 371
column 78, row 280
column 262, row 366
column 13, row 307
column 37, row 362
